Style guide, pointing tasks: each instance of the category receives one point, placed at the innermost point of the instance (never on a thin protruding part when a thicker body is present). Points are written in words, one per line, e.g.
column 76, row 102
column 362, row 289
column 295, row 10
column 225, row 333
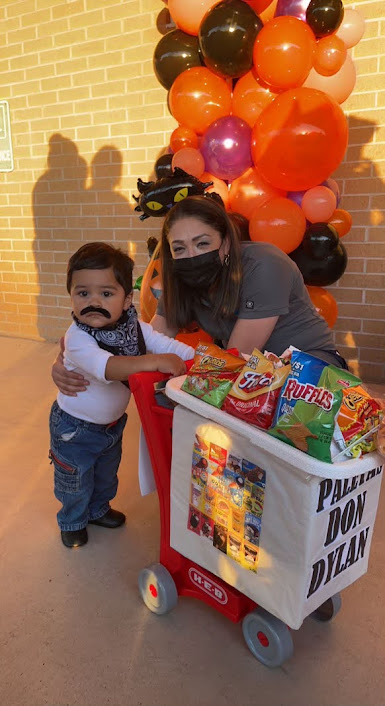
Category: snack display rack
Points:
column 267, row 636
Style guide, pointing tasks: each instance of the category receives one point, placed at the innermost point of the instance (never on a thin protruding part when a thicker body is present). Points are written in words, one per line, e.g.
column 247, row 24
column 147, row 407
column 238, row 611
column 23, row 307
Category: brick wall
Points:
column 88, row 117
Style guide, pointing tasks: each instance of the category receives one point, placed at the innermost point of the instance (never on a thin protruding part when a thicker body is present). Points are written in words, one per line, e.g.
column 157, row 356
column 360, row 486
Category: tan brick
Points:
column 372, row 355
column 374, row 327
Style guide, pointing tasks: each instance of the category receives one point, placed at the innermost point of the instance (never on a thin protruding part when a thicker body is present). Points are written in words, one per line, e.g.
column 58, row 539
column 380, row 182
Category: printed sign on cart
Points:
column 347, row 506
column 226, row 501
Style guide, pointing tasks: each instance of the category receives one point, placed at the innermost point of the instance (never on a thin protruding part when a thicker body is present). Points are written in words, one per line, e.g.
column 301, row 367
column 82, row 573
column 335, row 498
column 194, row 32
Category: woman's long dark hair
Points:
column 177, row 298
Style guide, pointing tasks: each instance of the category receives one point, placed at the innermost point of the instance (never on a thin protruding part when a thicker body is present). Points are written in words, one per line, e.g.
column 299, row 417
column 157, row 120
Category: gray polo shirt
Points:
column 272, row 285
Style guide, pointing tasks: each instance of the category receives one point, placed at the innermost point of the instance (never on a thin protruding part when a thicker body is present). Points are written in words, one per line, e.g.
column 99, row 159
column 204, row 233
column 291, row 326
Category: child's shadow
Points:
column 67, row 214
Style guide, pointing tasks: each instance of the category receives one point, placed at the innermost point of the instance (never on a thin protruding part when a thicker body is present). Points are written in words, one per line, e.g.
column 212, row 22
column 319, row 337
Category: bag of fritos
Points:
column 212, row 374
column 255, row 392
column 358, row 415
column 309, row 404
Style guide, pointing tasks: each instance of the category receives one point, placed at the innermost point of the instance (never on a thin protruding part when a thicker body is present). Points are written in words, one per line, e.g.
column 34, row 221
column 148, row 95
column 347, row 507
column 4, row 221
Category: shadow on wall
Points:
column 66, row 214
column 364, row 198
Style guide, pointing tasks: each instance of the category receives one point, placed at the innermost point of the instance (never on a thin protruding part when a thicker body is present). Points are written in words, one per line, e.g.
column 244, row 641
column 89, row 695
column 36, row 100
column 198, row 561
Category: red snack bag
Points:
column 255, row 392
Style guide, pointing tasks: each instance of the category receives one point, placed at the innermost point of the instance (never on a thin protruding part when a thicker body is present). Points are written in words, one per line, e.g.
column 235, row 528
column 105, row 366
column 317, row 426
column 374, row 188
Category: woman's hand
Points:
column 69, row 383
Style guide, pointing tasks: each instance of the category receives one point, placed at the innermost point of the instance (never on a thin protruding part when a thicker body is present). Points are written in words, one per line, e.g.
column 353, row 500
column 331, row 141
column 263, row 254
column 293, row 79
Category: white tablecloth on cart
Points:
column 317, row 520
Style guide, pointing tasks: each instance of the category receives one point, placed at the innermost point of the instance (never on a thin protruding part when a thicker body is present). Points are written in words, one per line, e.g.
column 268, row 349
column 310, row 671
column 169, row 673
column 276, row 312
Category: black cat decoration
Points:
column 157, row 197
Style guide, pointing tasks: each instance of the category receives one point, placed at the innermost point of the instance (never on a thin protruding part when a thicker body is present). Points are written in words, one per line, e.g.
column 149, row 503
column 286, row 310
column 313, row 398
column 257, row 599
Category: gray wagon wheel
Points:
column 157, row 588
column 267, row 637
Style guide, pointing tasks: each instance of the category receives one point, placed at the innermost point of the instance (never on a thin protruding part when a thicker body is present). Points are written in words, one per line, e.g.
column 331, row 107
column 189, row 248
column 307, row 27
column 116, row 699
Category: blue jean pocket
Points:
column 67, row 478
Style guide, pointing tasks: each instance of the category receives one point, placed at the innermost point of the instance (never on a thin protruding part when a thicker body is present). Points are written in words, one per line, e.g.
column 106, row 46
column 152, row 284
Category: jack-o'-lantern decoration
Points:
column 151, row 287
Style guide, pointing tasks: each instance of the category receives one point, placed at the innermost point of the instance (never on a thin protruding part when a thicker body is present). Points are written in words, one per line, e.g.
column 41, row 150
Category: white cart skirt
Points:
column 283, row 528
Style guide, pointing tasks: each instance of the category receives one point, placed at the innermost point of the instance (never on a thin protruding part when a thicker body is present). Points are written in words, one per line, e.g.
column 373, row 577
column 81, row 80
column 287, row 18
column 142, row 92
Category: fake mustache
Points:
column 95, row 310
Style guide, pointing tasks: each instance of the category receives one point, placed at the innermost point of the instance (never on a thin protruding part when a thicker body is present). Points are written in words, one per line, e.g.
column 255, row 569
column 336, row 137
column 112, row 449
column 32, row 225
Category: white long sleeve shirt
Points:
column 104, row 401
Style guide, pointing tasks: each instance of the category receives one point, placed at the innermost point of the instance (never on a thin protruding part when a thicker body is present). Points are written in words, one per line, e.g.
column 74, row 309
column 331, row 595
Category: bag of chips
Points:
column 358, row 415
column 212, row 374
column 310, row 401
column 255, row 393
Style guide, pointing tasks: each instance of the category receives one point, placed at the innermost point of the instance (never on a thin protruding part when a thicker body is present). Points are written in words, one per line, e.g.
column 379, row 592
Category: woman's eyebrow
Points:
column 197, row 237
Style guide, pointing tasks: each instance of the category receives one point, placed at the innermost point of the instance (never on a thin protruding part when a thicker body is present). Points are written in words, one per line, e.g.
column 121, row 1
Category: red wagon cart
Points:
column 160, row 584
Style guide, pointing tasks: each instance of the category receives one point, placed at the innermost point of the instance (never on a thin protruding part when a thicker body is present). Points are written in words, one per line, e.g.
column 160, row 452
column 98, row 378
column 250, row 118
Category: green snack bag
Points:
column 309, row 403
column 212, row 374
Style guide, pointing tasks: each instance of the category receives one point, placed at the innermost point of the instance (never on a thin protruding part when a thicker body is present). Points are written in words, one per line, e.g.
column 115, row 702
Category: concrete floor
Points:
column 74, row 631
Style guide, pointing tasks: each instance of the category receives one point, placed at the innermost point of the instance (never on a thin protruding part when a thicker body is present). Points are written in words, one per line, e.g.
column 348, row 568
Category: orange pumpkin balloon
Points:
column 330, row 54
column 283, row 52
column 198, row 97
column 183, row 137
column 249, row 191
column 219, row 186
column 151, row 288
column 324, row 303
column 342, row 221
column 280, row 222
column 250, row 97
column 299, row 139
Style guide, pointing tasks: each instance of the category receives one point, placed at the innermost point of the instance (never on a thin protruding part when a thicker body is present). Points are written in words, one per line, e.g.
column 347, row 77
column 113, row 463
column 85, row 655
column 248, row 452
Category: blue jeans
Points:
column 86, row 459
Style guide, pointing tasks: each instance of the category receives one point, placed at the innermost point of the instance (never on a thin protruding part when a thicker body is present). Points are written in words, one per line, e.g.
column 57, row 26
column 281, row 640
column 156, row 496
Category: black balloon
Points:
column 226, row 36
column 163, row 166
column 174, row 53
column 321, row 273
column 324, row 16
column 320, row 240
column 157, row 197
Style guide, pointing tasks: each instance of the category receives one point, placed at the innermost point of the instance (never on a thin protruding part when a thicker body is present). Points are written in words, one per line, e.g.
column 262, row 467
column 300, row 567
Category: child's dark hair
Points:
column 101, row 256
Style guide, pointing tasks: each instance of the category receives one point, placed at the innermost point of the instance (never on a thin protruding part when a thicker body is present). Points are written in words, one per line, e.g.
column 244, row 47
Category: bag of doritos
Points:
column 212, row 374
column 309, row 403
column 256, row 390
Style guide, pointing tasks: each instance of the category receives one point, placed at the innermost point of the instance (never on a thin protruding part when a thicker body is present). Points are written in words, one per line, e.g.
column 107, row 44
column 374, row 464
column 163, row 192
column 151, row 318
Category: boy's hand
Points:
column 171, row 363
column 69, row 383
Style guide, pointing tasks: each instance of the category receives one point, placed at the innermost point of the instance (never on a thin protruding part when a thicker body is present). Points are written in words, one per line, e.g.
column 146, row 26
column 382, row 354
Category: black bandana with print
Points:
column 125, row 337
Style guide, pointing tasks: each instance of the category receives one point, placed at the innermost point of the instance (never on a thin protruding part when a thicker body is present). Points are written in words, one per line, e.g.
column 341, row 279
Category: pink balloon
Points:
column 319, row 204
column 188, row 14
column 189, row 159
column 339, row 86
column 226, row 147
column 351, row 28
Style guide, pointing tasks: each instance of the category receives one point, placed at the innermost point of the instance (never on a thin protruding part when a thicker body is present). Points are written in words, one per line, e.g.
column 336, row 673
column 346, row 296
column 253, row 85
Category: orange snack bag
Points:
column 212, row 374
column 358, row 414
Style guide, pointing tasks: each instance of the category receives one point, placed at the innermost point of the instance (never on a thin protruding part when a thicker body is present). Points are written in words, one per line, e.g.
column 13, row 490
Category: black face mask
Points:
column 198, row 272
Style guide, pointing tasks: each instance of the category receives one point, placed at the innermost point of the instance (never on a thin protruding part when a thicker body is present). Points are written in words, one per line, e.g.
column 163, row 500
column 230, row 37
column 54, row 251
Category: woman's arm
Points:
column 159, row 324
column 248, row 334
column 69, row 383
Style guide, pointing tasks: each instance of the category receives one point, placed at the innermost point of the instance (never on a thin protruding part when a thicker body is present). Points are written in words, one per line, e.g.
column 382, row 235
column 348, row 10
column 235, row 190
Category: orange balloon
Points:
column 258, row 5
column 318, row 204
column 324, row 303
column 330, row 54
column 283, row 52
column 189, row 159
column 268, row 14
column 250, row 97
column 339, row 86
column 342, row 221
column 151, row 288
column 183, row 137
column 188, row 14
column 249, row 191
column 198, row 97
column 220, row 187
column 280, row 222
column 299, row 139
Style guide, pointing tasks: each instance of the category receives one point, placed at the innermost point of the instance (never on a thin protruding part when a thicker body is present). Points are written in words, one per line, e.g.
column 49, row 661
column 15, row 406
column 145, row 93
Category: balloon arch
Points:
column 256, row 88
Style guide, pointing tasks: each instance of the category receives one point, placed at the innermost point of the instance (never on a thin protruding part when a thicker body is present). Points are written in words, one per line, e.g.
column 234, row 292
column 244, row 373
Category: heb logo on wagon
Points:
column 312, row 394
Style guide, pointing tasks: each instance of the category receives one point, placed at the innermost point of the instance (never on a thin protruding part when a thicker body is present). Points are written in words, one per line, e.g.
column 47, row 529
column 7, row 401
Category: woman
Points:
column 245, row 295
